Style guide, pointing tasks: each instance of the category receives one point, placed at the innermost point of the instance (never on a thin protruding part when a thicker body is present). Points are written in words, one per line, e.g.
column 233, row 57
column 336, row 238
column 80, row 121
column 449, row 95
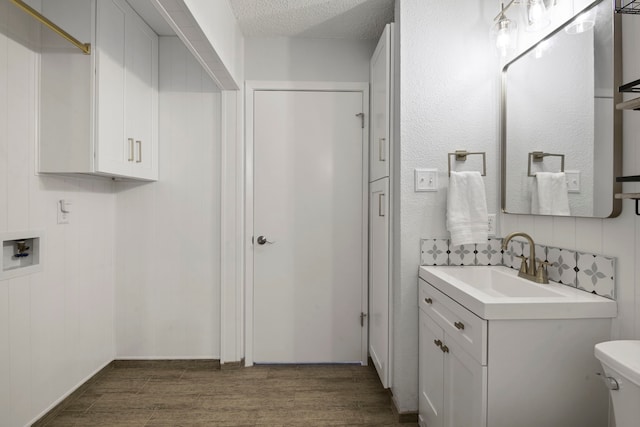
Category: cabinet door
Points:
column 379, row 277
column 111, row 149
column 431, row 373
column 379, row 148
column 141, row 59
column 465, row 388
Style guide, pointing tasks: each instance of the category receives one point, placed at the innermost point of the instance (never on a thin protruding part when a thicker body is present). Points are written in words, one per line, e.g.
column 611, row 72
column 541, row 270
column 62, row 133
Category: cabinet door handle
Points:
column 381, row 151
column 381, row 204
column 459, row 325
column 130, row 149
column 139, row 151
column 428, row 300
column 444, row 349
column 438, row 343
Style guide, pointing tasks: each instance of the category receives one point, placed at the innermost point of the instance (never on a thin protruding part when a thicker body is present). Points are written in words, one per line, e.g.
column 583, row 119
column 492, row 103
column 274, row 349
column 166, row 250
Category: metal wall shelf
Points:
column 628, row 6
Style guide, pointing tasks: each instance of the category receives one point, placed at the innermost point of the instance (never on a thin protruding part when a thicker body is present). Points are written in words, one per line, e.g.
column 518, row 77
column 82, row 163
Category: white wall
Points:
column 300, row 59
column 448, row 101
column 56, row 326
column 217, row 21
column 168, row 234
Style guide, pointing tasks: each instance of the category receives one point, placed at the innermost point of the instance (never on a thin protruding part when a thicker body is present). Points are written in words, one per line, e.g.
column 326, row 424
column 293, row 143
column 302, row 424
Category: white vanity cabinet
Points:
column 453, row 372
column 500, row 372
column 98, row 112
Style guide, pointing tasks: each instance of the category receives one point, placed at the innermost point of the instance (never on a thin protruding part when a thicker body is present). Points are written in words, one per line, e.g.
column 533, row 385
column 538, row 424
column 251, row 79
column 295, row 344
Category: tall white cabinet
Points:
column 380, row 307
column 98, row 112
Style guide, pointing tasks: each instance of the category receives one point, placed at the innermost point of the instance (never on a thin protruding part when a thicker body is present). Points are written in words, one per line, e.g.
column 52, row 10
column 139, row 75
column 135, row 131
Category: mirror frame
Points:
column 616, row 130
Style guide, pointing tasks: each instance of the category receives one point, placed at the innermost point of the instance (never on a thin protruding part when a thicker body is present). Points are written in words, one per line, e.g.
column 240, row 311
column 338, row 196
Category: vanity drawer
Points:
column 461, row 325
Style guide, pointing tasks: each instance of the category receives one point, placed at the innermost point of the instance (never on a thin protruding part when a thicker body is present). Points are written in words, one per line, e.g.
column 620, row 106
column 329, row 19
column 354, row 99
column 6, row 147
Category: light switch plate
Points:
column 426, row 179
column 573, row 181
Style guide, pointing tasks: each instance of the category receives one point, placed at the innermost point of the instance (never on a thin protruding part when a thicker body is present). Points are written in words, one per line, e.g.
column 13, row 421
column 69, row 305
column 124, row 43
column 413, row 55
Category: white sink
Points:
column 496, row 292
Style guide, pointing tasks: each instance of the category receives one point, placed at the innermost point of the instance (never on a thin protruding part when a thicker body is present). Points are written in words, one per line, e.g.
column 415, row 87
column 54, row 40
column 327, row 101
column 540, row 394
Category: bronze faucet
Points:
column 530, row 272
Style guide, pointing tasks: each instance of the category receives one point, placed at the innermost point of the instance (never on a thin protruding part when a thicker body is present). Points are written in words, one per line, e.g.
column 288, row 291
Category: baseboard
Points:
column 228, row 366
column 168, row 363
column 71, row 397
column 403, row 417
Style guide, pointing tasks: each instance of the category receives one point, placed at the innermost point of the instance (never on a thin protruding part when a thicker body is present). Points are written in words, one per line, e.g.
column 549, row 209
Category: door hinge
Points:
column 361, row 115
column 362, row 316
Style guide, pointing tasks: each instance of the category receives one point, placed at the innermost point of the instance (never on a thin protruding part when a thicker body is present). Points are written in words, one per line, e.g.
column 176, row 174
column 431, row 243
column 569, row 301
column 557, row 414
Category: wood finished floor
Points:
column 307, row 395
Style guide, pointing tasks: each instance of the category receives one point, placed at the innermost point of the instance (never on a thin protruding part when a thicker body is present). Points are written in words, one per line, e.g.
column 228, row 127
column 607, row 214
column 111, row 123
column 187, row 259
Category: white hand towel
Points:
column 467, row 219
column 549, row 194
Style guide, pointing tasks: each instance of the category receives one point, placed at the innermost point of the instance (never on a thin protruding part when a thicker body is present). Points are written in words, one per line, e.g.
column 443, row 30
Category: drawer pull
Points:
column 459, row 325
column 444, row 349
column 428, row 300
column 438, row 343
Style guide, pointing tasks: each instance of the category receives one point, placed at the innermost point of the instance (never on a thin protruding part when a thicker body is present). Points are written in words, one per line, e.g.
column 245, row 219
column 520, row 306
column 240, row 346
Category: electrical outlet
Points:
column 492, row 224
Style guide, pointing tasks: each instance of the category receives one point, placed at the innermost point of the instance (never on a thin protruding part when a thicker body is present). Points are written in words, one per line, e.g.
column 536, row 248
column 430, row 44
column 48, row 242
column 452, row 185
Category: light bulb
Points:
column 537, row 18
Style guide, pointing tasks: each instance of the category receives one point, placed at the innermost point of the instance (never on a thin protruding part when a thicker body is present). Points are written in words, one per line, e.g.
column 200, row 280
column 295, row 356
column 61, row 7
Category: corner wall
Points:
column 168, row 234
column 448, row 101
column 301, row 59
column 56, row 326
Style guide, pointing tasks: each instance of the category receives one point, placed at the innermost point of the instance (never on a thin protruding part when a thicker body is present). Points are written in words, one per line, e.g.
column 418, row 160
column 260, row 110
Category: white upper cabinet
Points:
column 380, row 139
column 99, row 112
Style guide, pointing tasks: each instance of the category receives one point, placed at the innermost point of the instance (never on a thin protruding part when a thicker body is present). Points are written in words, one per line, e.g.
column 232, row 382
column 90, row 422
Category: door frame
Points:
column 251, row 86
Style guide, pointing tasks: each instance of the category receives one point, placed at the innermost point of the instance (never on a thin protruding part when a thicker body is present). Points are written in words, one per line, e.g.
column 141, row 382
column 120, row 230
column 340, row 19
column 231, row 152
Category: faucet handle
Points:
column 541, row 273
column 523, row 264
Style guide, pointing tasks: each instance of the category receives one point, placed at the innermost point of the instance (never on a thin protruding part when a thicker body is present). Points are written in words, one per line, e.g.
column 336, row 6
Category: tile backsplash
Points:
column 588, row 272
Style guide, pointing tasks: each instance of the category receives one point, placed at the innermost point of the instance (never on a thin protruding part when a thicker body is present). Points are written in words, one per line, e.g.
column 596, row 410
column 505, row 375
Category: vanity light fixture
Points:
column 504, row 32
column 537, row 15
column 581, row 23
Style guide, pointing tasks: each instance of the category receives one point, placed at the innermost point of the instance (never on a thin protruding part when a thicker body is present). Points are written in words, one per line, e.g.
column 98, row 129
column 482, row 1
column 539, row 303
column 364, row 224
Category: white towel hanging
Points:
column 467, row 218
column 549, row 194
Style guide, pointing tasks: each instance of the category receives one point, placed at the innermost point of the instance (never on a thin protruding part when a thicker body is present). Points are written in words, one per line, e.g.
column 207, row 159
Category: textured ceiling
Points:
column 346, row 19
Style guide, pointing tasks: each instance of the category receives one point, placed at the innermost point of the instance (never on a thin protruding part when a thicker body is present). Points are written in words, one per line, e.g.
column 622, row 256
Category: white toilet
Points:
column 621, row 363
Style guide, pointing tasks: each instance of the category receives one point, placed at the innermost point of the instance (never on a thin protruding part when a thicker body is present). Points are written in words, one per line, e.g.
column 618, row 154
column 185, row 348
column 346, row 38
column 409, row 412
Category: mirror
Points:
column 558, row 112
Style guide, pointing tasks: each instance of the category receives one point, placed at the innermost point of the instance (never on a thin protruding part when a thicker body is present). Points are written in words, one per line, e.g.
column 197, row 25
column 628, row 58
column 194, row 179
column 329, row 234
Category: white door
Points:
column 431, row 373
column 308, row 208
column 379, row 277
column 380, row 106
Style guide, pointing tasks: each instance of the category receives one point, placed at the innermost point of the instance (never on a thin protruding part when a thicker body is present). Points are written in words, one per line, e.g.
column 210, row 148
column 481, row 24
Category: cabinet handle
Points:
column 438, row 343
column 130, row 149
column 444, row 349
column 381, row 153
column 139, row 151
column 381, row 204
column 428, row 300
column 459, row 325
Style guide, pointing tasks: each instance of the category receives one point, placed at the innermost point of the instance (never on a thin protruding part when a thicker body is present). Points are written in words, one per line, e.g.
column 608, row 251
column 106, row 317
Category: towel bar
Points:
column 538, row 156
column 461, row 156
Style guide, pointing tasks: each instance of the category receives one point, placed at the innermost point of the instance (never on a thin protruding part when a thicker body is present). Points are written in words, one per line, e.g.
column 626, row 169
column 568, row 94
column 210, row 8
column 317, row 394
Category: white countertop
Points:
column 496, row 292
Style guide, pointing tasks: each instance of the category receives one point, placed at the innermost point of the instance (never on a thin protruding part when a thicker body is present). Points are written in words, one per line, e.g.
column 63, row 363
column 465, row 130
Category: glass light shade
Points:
column 505, row 32
column 584, row 22
column 537, row 16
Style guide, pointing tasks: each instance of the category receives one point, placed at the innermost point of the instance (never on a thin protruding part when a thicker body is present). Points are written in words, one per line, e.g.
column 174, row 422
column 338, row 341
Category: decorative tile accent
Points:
column 562, row 266
column 434, row 252
column 489, row 253
column 462, row 255
column 588, row 272
column 595, row 274
column 515, row 249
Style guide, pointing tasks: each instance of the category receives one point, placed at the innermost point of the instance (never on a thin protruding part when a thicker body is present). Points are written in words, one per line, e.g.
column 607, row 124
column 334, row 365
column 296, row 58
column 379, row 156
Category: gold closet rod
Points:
column 84, row 47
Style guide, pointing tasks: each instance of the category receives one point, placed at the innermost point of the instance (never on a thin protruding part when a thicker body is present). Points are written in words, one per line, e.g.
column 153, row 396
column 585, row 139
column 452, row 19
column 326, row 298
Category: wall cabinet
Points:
column 379, row 277
column 502, row 373
column 380, row 139
column 98, row 113
column 380, row 307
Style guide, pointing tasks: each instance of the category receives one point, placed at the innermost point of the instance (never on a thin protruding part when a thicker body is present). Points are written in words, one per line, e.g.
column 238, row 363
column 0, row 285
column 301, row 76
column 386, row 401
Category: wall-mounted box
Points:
column 21, row 254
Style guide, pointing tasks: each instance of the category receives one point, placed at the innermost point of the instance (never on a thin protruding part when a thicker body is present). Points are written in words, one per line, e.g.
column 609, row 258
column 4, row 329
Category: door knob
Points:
column 262, row 240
